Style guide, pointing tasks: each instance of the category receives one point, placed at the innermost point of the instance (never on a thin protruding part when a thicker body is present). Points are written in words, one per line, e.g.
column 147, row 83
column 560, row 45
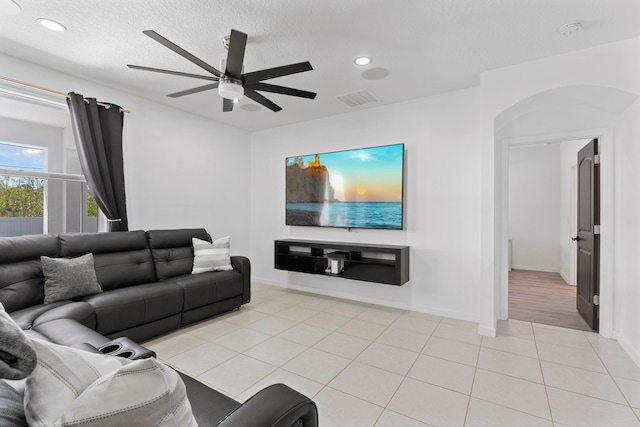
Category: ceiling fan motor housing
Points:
column 230, row 89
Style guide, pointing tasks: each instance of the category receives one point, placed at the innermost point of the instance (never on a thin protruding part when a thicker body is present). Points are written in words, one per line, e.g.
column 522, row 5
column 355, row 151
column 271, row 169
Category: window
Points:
column 42, row 189
column 34, row 200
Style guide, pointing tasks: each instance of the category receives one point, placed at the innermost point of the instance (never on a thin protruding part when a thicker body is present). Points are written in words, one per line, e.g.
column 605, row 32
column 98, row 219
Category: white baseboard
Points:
column 535, row 268
column 566, row 278
column 487, row 330
column 268, row 282
column 436, row 311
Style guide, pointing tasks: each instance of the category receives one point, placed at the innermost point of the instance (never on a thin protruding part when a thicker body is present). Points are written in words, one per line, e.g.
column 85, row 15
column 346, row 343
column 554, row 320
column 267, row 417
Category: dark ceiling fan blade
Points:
column 194, row 90
column 175, row 73
column 235, row 56
column 180, row 51
column 250, row 93
column 272, row 73
column 227, row 104
column 266, row 87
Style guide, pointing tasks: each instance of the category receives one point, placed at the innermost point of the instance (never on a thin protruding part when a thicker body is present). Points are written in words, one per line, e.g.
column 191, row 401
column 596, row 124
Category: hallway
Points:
column 541, row 297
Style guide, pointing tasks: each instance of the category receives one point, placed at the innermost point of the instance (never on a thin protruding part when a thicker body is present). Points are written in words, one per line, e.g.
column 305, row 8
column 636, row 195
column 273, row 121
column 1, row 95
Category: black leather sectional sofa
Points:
column 148, row 290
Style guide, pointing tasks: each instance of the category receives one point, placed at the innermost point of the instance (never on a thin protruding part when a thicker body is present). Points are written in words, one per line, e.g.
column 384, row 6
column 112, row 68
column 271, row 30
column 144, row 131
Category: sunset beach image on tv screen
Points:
column 359, row 188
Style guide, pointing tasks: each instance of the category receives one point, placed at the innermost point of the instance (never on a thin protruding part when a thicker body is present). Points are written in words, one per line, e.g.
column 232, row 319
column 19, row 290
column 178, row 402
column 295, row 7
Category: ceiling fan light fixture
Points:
column 362, row 60
column 230, row 90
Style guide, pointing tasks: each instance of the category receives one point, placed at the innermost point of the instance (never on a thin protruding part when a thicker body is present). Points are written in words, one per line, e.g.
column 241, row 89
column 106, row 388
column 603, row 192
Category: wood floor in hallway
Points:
column 540, row 297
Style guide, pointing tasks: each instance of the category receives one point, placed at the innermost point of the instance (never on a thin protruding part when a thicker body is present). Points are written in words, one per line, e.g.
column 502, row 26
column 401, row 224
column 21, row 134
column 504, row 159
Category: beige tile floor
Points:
column 367, row 365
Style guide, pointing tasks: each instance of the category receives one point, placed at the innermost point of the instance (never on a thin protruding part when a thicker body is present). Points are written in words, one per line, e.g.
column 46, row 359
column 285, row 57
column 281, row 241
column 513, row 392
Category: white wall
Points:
column 540, row 206
column 504, row 88
column 180, row 170
column 185, row 171
column 440, row 134
column 627, row 297
column 534, row 207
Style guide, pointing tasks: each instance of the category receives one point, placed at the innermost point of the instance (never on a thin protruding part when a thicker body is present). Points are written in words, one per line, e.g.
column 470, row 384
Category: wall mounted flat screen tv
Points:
column 361, row 188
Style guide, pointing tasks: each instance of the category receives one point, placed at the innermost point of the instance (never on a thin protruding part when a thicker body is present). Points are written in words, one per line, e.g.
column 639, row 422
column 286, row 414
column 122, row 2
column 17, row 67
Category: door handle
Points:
column 575, row 239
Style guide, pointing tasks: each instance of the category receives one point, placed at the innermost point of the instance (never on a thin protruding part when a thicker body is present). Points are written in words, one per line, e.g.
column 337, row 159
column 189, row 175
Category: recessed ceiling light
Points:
column 362, row 60
column 51, row 25
column 9, row 7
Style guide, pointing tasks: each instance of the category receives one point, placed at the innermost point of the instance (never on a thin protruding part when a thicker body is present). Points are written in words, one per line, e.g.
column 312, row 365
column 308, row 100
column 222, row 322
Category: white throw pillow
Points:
column 214, row 256
column 75, row 387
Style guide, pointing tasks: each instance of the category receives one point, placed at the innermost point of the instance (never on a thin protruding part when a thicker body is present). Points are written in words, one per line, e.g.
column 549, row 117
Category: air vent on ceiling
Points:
column 358, row 98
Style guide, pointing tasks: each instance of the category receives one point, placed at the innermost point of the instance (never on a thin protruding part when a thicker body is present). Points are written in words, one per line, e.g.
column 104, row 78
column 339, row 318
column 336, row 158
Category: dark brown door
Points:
column 588, row 233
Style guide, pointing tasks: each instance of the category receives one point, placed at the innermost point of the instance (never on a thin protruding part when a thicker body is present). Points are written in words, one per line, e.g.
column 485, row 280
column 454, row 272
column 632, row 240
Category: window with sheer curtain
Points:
column 42, row 190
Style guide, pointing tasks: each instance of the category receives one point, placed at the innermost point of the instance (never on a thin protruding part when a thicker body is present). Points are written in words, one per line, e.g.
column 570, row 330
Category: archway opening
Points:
column 562, row 114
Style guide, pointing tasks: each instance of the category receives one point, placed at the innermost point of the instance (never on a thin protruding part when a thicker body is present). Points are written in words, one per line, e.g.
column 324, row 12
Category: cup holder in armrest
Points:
column 126, row 354
column 110, row 347
column 124, row 347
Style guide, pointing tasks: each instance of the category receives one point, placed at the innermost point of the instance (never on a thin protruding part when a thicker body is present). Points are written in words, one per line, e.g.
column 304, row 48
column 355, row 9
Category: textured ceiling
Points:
column 427, row 46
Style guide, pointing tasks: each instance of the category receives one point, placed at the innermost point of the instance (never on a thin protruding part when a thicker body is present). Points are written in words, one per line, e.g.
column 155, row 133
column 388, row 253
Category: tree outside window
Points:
column 21, row 197
column 24, row 195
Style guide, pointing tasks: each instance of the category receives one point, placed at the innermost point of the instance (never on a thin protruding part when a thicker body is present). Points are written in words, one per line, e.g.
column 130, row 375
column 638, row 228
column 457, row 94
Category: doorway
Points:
column 556, row 114
column 542, row 197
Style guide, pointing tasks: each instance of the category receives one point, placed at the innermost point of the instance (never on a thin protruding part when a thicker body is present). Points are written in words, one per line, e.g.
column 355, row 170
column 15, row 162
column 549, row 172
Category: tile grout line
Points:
column 473, row 382
column 624, row 396
column 386, row 407
column 544, row 382
column 608, row 373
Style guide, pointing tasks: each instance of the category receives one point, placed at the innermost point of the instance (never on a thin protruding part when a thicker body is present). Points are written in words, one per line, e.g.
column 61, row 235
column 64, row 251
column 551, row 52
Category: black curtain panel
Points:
column 98, row 134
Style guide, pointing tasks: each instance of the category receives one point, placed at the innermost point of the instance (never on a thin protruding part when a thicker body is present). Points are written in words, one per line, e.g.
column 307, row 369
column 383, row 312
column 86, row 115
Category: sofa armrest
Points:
column 275, row 406
column 87, row 347
column 243, row 265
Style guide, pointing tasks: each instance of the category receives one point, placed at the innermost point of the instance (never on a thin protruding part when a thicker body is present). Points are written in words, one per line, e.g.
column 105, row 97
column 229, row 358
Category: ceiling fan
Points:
column 233, row 84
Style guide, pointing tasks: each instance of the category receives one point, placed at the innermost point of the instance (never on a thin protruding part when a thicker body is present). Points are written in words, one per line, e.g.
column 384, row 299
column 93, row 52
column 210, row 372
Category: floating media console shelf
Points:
column 372, row 263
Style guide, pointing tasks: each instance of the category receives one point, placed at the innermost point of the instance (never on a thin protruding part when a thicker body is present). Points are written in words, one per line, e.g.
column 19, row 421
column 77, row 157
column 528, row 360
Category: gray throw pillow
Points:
column 66, row 278
column 11, row 407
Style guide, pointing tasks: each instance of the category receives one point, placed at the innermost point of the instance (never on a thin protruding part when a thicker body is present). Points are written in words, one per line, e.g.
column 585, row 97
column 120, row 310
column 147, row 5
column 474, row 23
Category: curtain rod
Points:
column 53, row 91
column 43, row 175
